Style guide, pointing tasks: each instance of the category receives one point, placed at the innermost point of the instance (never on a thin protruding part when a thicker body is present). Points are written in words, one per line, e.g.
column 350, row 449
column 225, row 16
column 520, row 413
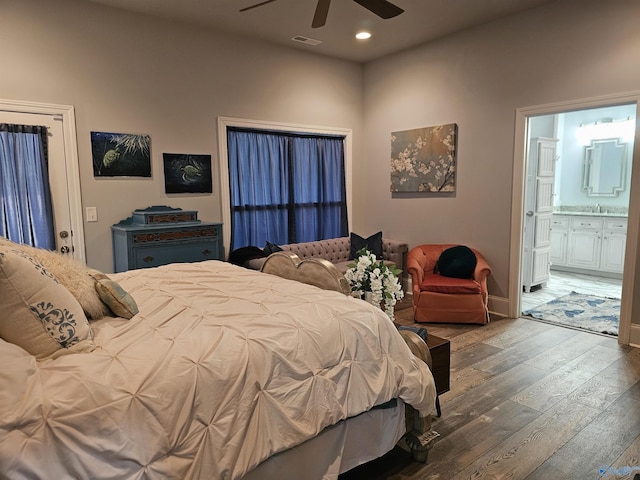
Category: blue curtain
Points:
column 285, row 188
column 26, row 213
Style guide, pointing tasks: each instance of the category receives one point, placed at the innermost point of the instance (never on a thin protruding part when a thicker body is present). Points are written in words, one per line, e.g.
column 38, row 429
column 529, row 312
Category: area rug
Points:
column 579, row 310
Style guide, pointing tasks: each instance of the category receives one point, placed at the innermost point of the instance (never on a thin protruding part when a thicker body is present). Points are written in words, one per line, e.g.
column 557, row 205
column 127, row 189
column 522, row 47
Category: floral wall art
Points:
column 424, row 159
column 120, row 155
column 185, row 173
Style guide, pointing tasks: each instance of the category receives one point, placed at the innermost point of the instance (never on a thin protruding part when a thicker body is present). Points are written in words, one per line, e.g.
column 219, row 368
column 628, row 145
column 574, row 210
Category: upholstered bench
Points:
column 337, row 251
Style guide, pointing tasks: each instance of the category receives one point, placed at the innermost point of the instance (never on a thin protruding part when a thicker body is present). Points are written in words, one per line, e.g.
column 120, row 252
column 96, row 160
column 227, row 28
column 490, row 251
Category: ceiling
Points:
column 281, row 20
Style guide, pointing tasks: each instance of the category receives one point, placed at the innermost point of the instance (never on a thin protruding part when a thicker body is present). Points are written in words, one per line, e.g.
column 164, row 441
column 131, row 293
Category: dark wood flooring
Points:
column 528, row 400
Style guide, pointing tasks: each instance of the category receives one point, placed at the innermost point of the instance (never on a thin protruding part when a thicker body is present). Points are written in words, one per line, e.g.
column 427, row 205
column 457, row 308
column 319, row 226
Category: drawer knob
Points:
column 148, row 259
column 206, row 252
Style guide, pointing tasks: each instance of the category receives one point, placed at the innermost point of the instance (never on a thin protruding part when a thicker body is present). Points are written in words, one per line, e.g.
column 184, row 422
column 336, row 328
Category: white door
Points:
column 538, row 213
column 68, row 238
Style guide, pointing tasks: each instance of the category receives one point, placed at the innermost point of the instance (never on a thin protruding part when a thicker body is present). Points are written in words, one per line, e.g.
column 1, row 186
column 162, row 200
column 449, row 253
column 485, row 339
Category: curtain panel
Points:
column 26, row 213
column 285, row 187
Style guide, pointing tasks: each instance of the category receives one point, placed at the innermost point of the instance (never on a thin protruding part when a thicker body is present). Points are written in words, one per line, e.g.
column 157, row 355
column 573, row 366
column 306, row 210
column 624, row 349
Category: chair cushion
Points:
column 437, row 283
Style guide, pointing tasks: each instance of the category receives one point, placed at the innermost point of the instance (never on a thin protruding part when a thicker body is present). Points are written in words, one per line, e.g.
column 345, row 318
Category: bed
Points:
column 220, row 373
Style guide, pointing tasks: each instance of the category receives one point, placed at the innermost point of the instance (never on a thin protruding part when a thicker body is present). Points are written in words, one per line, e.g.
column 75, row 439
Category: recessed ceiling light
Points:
column 363, row 35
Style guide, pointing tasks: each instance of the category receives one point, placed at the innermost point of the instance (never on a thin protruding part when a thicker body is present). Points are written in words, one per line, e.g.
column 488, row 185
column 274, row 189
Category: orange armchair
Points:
column 444, row 299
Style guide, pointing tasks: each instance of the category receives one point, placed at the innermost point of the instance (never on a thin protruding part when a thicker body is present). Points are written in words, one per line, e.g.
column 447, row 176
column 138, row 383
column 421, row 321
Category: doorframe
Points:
column 66, row 114
column 629, row 333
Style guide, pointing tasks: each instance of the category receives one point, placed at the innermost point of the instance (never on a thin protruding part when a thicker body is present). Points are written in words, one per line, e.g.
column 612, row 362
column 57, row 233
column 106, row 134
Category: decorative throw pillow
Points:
column 372, row 243
column 269, row 248
column 111, row 293
column 71, row 273
column 38, row 313
column 457, row 262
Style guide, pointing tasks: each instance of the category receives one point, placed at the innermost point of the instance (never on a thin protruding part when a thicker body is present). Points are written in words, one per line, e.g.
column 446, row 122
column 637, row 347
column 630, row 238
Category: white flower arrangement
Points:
column 370, row 275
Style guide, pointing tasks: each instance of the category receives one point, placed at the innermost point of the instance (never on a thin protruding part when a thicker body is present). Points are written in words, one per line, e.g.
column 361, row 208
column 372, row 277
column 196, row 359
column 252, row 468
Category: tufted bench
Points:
column 336, row 250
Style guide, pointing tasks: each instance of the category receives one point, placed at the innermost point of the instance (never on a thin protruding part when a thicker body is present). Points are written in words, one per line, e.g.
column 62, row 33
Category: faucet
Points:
column 597, row 208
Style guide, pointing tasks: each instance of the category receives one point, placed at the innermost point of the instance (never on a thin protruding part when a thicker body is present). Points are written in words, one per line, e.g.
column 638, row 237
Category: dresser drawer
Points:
column 156, row 255
column 175, row 236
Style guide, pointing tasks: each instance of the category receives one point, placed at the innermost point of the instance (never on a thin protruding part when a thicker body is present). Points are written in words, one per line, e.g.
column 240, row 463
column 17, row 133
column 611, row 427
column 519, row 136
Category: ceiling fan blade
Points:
column 256, row 5
column 382, row 8
column 320, row 17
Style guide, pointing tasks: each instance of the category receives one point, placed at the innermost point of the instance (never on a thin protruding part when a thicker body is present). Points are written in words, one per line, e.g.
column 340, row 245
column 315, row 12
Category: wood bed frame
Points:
column 321, row 273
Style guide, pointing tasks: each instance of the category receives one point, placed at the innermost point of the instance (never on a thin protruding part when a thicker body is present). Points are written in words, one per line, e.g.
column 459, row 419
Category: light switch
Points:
column 91, row 214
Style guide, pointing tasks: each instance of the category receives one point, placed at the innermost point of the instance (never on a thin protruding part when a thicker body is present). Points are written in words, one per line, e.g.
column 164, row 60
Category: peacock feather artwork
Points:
column 120, row 155
column 184, row 173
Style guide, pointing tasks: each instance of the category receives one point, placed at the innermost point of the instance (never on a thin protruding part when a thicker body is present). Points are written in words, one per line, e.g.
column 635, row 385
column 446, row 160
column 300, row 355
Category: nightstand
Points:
column 160, row 235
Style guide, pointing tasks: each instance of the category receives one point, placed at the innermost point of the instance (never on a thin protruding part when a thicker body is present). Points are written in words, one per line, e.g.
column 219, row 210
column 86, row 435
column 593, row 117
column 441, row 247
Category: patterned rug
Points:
column 578, row 310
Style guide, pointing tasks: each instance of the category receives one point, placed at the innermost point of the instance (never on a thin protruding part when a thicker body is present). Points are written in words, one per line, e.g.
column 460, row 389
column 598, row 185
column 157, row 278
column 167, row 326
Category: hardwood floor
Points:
column 529, row 400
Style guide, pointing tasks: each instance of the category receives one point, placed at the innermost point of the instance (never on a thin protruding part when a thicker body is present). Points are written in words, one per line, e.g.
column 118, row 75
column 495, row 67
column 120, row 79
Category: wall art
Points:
column 185, row 173
column 424, row 159
column 120, row 155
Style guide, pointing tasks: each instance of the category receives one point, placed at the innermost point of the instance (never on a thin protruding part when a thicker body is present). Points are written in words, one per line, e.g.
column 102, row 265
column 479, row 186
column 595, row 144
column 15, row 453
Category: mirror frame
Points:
column 592, row 166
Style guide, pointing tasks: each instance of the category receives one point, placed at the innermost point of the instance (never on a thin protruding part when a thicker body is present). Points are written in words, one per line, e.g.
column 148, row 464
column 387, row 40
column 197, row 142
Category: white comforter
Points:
column 221, row 368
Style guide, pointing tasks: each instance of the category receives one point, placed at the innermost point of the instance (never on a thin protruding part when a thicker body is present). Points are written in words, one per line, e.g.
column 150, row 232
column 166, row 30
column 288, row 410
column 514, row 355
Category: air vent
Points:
column 307, row 40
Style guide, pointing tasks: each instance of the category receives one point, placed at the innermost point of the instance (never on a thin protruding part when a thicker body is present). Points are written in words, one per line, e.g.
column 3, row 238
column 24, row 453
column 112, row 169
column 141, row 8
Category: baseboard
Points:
column 498, row 306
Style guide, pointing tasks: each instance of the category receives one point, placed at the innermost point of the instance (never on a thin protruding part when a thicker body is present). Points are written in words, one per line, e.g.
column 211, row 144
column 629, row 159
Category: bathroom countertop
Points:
column 591, row 214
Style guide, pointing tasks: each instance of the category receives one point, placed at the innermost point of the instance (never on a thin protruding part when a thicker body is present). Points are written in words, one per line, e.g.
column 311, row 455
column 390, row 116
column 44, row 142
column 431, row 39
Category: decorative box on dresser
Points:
column 160, row 235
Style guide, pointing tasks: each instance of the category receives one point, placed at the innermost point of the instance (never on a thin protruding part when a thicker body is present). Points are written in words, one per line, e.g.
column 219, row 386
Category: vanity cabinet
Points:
column 559, row 240
column 588, row 243
column 613, row 245
column 160, row 235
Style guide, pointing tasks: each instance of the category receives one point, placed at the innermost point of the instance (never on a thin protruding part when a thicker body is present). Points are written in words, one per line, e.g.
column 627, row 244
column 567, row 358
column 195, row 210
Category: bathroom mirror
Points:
column 604, row 172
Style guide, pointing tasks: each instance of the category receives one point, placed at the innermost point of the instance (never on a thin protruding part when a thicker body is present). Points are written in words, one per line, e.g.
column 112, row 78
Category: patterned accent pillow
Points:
column 73, row 274
column 38, row 313
column 116, row 297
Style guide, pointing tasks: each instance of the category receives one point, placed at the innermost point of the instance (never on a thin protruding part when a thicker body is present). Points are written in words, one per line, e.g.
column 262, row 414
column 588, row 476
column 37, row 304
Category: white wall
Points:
column 134, row 74
column 477, row 79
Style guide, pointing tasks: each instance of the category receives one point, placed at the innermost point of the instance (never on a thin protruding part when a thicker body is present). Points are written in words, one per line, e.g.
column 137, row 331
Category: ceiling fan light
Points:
column 363, row 35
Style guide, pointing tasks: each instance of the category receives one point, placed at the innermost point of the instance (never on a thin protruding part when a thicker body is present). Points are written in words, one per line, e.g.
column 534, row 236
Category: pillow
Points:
column 373, row 244
column 269, row 248
column 116, row 298
column 71, row 273
column 457, row 262
column 38, row 313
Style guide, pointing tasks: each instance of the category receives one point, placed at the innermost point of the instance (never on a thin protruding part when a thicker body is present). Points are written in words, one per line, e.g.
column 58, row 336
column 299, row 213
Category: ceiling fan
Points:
column 381, row 8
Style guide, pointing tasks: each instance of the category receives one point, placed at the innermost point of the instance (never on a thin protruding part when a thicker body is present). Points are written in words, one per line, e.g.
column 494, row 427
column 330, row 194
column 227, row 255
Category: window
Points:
column 285, row 187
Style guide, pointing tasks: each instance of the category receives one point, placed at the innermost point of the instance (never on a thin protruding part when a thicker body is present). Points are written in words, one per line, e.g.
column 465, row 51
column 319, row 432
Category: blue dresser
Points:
column 160, row 235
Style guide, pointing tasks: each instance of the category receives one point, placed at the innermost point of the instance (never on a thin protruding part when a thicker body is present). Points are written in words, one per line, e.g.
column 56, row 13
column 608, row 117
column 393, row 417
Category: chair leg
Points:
column 438, row 410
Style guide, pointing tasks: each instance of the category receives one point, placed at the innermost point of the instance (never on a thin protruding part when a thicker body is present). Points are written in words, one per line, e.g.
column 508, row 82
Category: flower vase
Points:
column 368, row 297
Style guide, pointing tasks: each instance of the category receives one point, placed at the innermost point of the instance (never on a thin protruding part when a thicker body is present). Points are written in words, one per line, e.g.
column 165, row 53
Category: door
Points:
column 538, row 213
column 67, row 237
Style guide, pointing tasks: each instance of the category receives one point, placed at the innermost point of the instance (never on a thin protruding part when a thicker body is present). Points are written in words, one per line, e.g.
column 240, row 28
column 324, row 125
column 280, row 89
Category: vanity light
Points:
column 607, row 128
column 363, row 35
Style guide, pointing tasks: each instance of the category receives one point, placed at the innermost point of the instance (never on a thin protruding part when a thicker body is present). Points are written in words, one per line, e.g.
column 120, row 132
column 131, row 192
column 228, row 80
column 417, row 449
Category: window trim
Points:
column 224, row 122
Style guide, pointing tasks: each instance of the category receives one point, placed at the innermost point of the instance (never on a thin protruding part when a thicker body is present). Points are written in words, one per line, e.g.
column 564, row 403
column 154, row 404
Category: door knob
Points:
column 529, row 213
column 64, row 249
column 64, row 234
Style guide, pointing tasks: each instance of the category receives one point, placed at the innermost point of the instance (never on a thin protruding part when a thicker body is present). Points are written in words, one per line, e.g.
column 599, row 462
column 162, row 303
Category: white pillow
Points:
column 38, row 313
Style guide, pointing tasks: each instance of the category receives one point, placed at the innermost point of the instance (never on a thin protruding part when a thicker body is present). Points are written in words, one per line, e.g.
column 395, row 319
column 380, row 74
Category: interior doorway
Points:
column 554, row 127
column 576, row 203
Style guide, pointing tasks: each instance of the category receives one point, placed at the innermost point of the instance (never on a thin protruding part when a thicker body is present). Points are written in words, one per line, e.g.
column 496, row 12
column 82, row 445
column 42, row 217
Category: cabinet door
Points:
column 613, row 247
column 584, row 249
column 558, row 253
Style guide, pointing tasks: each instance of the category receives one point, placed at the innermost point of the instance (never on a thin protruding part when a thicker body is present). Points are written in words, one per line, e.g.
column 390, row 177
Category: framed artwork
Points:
column 120, row 155
column 184, row 173
column 424, row 159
